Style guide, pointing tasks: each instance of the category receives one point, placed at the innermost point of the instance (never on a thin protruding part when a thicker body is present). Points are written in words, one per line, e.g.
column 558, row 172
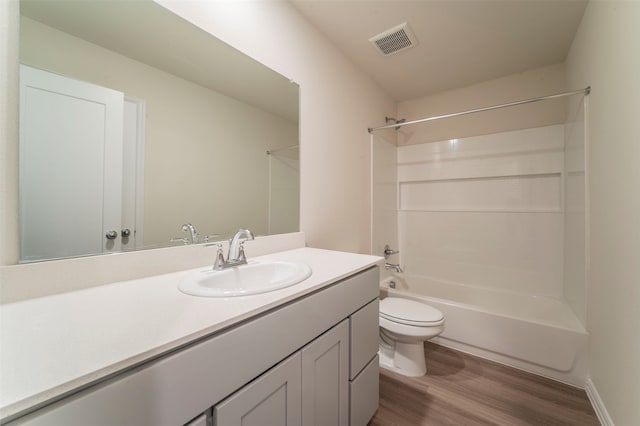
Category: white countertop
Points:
column 52, row 345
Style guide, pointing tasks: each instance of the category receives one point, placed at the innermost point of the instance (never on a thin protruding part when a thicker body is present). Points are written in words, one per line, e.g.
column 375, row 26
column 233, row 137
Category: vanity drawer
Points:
column 364, row 332
column 363, row 394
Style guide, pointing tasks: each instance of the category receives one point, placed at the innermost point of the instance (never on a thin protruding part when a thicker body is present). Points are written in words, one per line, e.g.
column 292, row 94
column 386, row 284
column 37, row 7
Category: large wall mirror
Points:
column 134, row 122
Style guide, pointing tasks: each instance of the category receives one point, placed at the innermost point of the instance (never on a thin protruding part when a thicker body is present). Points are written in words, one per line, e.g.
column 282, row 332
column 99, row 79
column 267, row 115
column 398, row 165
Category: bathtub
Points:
column 537, row 334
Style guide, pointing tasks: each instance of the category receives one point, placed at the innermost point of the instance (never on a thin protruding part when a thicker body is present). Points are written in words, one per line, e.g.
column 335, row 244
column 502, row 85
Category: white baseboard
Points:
column 598, row 405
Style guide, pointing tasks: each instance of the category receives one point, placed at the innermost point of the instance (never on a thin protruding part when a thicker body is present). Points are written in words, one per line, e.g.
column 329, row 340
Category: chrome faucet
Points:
column 187, row 227
column 236, row 256
column 388, row 252
column 236, row 249
column 193, row 234
column 395, row 266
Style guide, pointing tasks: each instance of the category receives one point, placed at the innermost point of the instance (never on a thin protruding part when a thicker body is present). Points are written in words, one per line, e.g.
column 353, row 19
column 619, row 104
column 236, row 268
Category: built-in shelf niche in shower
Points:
column 519, row 193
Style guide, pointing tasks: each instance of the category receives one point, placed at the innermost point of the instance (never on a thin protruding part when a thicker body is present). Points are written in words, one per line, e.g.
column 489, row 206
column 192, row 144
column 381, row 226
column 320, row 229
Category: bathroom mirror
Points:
column 210, row 135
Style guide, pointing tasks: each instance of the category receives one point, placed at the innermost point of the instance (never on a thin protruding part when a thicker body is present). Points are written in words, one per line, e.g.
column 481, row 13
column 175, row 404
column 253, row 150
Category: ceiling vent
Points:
column 395, row 40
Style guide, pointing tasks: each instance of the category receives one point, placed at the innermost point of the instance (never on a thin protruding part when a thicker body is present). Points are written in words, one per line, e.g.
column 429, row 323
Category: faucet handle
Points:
column 241, row 256
column 218, row 264
column 388, row 251
column 206, row 238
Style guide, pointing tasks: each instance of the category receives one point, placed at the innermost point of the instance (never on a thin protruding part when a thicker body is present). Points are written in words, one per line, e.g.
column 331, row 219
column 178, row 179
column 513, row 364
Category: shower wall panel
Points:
column 575, row 291
column 486, row 211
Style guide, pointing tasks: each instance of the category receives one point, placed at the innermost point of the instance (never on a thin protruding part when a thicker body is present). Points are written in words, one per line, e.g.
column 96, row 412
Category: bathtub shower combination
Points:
column 491, row 232
column 537, row 334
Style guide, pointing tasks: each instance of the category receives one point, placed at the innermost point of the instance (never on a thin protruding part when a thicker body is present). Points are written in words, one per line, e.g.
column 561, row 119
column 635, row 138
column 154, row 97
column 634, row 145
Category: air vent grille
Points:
column 395, row 40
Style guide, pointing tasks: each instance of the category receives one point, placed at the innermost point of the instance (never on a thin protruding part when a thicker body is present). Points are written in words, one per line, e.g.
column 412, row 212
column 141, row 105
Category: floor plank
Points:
column 461, row 389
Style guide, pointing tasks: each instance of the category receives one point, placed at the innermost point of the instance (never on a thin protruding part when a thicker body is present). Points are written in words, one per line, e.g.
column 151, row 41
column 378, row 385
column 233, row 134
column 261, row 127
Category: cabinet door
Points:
column 325, row 378
column 273, row 399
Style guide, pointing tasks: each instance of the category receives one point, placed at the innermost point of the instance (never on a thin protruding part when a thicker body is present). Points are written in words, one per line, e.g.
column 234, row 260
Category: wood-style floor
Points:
column 460, row 389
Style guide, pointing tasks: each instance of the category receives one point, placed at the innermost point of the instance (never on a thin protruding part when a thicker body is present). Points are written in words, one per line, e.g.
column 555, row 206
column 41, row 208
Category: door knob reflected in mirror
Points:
column 111, row 235
column 126, row 233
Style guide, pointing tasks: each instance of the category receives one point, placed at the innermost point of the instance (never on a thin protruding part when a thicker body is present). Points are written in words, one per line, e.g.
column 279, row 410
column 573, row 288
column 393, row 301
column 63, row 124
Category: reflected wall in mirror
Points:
column 210, row 135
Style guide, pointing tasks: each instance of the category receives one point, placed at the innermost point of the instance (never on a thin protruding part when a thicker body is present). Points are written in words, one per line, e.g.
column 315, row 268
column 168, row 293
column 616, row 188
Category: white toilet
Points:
column 404, row 327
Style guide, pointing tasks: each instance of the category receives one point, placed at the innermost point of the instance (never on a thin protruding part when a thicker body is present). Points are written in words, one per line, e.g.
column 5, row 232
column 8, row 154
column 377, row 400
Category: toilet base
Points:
column 404, row 358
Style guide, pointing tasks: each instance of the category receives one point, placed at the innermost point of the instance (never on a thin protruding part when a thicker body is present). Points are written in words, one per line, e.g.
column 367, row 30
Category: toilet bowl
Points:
column 404, row 327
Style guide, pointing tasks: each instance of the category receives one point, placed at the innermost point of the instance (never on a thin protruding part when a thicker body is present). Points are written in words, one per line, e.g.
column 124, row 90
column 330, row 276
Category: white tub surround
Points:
column 55, row 345
column 485, row 211
column 491, row 231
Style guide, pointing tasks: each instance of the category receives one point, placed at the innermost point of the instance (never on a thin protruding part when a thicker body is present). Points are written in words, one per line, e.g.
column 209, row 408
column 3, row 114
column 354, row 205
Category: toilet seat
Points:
column 410, row 312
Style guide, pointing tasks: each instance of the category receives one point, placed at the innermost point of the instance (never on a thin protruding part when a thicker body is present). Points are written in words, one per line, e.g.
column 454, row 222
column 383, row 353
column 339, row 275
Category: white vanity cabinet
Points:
column 310, row 361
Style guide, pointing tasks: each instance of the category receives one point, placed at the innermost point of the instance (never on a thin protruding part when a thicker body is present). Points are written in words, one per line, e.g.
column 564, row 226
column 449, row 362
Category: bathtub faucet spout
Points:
column 395, row 266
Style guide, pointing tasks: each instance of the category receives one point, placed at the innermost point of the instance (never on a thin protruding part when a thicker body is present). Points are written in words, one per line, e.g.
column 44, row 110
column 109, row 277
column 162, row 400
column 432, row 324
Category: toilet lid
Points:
column 406, row 311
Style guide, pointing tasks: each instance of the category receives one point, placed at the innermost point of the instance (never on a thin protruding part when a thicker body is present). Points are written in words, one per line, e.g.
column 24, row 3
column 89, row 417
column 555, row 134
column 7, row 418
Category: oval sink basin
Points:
column 252, row 278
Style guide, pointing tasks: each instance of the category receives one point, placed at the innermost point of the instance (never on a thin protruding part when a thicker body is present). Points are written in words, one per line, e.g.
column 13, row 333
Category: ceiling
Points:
column 460, row 42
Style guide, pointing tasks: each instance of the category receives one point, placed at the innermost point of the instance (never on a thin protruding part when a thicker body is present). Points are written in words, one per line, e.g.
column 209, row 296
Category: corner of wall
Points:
column 9, row 33
column 598, row 405
column 600, row 57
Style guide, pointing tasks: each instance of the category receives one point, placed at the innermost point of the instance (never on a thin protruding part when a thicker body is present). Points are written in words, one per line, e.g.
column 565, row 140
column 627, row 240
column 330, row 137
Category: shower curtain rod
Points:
column 584, row 91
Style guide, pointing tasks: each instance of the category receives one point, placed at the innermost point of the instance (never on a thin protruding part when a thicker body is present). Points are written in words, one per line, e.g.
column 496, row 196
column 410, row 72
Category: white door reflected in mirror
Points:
column 71, row 167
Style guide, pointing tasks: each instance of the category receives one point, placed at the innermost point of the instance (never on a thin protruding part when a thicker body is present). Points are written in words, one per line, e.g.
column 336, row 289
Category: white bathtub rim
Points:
column 403, row 276
column 500, row 290
column 384, row 285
